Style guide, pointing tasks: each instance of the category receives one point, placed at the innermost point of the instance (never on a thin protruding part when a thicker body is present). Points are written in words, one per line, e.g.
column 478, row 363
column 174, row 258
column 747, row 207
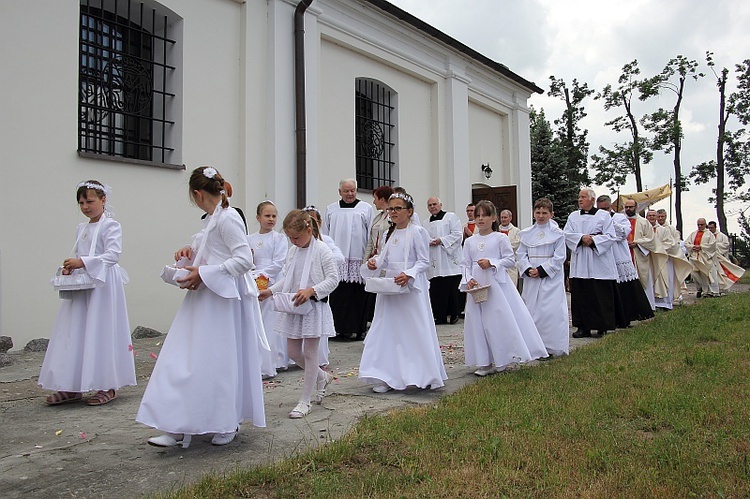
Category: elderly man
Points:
column 668, row 281
column 632, row 297
column 729, row 273
column 513, row 233
column 348, row 222
column 646, row 251
column 676, row 250
column 444, row 273
column 590, row 235
column 701, row 248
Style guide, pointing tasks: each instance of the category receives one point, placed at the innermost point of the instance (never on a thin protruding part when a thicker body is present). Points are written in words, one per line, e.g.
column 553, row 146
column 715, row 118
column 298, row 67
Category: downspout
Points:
column 299, row 93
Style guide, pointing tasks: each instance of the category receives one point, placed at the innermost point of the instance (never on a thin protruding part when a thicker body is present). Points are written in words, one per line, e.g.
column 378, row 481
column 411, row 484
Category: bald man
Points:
column 446, row 236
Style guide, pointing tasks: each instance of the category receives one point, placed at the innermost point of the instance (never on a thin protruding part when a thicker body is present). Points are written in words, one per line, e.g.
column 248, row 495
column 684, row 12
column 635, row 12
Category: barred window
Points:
column 126, row 106
column 375, row 134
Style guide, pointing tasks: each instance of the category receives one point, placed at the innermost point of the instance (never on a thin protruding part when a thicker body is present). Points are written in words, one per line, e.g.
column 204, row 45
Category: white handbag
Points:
column 284, row 302
column 387, row 285
column 170, row 273
column 384, row 286
column 78, row 279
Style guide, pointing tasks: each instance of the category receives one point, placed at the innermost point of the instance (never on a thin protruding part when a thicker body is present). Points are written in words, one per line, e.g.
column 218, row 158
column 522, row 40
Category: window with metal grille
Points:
column 125, row 102
column 375, row 134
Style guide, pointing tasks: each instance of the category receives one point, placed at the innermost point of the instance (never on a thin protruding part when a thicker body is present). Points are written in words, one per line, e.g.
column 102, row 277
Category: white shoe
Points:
column 484, row 371
column 381, row 388
column 300, row 410
column 224, row 438
column 321, row 387
column 168, row 440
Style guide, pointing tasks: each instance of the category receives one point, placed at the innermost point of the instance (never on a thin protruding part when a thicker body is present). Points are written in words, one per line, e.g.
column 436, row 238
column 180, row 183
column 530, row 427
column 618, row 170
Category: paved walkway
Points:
column 79, row 451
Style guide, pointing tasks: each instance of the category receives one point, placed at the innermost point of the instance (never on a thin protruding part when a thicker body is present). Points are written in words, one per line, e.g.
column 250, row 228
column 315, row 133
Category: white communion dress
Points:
column 499, row 331
column 401, row 349
column 207, row 378
column 89, row 347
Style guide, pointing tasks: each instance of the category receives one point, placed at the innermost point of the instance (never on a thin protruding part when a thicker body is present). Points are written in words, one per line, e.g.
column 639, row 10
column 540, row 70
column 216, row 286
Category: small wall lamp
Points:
column 487, row 170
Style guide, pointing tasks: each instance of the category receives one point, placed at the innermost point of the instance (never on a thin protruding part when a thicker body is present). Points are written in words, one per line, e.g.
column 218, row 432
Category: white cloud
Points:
column 591, row 40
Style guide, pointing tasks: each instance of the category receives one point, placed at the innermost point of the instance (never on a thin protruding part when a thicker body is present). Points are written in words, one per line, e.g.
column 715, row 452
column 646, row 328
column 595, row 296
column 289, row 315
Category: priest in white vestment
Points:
column 701, row 248
column 729, row 273
column 629, row 292
column 669, row 280
column 348, row 223
column 648, row 255
column 590, row 236
column 444, row 272
column 513, row 233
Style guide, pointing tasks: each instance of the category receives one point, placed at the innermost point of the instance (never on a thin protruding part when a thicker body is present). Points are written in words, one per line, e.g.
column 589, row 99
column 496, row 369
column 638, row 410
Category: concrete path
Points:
column 79, row 451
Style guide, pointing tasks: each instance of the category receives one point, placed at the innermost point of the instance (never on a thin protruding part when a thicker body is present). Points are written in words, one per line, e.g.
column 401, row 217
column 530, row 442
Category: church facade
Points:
column 136, row 93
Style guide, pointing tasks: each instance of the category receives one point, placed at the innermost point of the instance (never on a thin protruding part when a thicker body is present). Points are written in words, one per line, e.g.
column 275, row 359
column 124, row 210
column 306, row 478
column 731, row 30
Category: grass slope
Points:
column 660, row 410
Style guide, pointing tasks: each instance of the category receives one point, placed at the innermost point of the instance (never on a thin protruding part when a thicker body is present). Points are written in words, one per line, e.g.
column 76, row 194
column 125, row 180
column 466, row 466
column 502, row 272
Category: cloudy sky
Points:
column 591, row 40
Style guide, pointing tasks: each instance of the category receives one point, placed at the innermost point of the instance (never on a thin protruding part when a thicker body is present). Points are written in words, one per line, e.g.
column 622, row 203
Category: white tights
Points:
column 305, row 354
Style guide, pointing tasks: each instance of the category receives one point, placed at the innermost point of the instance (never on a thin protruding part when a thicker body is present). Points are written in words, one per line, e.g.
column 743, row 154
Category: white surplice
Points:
column 207, row 378
column 445, row 258
column 89, row 347
column 544, row 246
column 401, row 349
column 499, row 331
column 591, row 262
column 350, row 230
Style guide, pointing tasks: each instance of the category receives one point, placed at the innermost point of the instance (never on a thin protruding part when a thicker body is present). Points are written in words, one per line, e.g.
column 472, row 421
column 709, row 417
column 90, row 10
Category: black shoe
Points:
column 582, row 333
column 601, row 332
column 341, row 337
column 699, row 294
column 440, row 321
column 454, row 319
column 359, row 337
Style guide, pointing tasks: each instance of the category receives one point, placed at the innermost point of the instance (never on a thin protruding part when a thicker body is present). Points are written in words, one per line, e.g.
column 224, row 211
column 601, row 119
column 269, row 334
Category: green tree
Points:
column 571, row 137
column 731, row 168
column 614, row 165
column 548, row 166
column 665, row 124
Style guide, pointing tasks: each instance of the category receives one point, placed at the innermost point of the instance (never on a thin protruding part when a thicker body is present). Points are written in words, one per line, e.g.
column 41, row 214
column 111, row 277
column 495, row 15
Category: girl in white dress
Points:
column 401, row 348
column 269, row 251
column 207, row 378
column 338, row 256
column 89, row 348
column 500, row 331
column 309, row 276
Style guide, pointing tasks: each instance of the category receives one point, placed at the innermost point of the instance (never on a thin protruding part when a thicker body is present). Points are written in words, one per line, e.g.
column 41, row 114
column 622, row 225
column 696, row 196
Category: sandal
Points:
column 321, row 387
column 59, row 398
column 101, row 397
column 301, row 410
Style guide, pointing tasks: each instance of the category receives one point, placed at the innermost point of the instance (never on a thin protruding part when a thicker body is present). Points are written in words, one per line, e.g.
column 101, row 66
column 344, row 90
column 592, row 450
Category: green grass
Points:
column 661, row 410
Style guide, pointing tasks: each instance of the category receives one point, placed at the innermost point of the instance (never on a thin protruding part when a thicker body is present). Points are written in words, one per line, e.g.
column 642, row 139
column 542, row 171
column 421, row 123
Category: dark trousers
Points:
column 592, row 304
column 349, row 307
column 445, row 297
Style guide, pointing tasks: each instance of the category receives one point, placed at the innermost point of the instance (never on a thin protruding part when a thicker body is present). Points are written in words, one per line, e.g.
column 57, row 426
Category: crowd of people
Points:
column 257, row 304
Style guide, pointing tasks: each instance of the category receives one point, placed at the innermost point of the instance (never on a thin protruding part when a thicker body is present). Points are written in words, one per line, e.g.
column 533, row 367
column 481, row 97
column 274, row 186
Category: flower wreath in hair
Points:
column 312, row 208
column 107, row 190
column 404, row 197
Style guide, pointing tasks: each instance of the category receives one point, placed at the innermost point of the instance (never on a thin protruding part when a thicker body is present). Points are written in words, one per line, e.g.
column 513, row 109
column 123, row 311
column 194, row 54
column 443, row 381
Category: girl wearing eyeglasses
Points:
column 401, row 348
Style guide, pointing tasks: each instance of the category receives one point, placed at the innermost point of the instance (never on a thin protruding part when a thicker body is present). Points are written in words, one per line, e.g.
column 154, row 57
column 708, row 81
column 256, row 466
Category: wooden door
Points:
column 504, row 198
